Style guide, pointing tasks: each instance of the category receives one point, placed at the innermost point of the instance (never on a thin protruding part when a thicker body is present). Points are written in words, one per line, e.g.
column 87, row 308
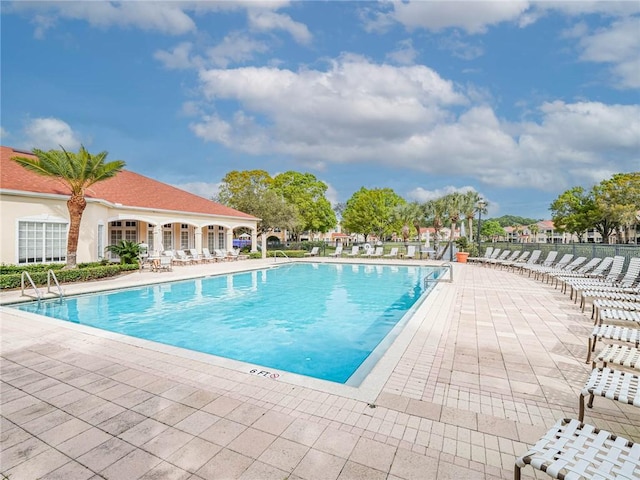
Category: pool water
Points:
column 319, row 320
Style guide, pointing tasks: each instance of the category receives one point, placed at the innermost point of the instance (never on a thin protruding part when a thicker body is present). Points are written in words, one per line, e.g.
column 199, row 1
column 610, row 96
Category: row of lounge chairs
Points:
column 169, row 258
column 572, row 448
column 371, row 252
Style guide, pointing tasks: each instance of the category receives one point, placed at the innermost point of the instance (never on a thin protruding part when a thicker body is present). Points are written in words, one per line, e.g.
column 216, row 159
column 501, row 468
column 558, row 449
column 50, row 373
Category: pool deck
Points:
column 487, row 366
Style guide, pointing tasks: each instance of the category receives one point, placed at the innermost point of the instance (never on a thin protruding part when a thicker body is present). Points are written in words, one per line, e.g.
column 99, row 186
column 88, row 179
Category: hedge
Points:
column 39, row 274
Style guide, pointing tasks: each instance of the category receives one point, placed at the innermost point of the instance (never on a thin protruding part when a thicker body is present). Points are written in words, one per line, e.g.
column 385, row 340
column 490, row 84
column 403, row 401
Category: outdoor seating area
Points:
column 572, row 448
column 170, row 258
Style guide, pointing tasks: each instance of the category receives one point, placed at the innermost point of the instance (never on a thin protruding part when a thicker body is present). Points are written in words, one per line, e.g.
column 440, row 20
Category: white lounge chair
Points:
column 377, row 252
column 337, row 253
column 411, row 252
column 313, row 253
column 393, row 253
column 195, row 256
column 206, row 255
column 572, row 449
column 182, row 258
column 354, row 251
column 220, row 255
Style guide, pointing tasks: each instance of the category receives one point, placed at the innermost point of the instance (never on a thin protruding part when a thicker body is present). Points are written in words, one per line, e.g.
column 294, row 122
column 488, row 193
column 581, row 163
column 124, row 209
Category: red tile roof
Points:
column 126, row 188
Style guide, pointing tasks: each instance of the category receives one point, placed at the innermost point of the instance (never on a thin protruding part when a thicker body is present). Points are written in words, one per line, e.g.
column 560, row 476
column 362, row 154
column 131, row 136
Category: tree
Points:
column 453, row 208
column 78, row 171
column 242, row 189
column 435, row 213
column 534, row 229
column 509, row 220
column 472, row 203
column 250, row 191
column 618, row 199
column 371, row 211
column 307, row 193
column 408, row 214
column 575, row 211
column 492, row 229
column 275, row 212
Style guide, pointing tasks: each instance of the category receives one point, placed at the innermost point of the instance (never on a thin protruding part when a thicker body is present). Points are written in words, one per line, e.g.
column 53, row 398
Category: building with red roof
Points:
column 129, row 206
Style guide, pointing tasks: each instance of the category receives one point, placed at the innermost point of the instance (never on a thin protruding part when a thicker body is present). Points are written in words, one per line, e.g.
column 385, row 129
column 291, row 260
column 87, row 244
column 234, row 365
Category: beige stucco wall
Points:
column 15, row 207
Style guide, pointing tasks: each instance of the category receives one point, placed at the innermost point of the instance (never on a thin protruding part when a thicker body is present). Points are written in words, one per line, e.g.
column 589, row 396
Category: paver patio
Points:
column 494, row 362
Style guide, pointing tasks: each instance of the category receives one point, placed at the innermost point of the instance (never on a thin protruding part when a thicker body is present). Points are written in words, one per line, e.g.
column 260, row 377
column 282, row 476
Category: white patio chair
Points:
column 572, row 449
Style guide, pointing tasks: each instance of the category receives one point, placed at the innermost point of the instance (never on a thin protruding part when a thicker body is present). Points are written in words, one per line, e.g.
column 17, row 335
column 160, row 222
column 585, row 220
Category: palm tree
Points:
column 472, row 203
column 406, row 213
column 78, row 171
column 453, row 208
column 435, row 212
column 534, row 229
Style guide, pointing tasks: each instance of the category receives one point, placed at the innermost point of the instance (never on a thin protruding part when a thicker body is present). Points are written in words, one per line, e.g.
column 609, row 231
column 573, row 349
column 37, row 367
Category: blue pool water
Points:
column 319, row 320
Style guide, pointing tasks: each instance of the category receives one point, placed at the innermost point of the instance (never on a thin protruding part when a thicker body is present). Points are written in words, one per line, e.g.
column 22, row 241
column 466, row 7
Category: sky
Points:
column 517, row 100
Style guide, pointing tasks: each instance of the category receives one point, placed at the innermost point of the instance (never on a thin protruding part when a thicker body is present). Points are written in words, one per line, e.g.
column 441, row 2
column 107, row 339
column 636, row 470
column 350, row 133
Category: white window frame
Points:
column 42, row 250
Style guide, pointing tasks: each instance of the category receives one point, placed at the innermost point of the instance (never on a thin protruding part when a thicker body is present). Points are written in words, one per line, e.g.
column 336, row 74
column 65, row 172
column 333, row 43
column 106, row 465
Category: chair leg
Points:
column 581, row 408
column 590, row 404
column 591, row 347
column 516, row 473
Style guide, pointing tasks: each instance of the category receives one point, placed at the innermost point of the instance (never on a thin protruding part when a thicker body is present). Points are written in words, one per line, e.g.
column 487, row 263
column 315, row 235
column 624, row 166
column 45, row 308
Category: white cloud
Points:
column 411, row 119
column 619, row 45
column 460, row 48
column 405, row 54
column 179, row 58
column 164, row 17
column 476, row 16
column 4, row 133
column 421, row 195
column 49, row 133
column 203, row 189
column 473, row 17
column 267, row 20
column 235, row 48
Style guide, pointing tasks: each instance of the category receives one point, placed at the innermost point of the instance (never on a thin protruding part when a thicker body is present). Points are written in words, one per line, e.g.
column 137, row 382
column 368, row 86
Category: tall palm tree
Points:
column 534, row 229
column 453, row 206
column 472, row 203
column 435, row 213
column 407, row 214
column 78, row 171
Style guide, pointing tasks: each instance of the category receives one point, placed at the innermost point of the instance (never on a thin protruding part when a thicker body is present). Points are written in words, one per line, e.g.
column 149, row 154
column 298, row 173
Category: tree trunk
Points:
column 76, row 205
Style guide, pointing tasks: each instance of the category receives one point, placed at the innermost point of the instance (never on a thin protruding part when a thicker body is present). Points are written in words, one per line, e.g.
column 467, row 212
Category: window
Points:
column 120, row 230
column 150, row 237
column 211, row 238
column 42, row 242
column 221, row 238
column 184, row 236
column 167, row 237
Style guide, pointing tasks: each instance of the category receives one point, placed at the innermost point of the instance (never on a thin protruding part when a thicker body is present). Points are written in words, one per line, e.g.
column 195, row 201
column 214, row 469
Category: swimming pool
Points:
column 327, row 321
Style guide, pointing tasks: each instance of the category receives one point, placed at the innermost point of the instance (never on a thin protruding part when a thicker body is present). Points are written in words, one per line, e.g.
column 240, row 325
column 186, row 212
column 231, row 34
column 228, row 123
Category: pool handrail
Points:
column 52, row 274
column 275, row 255
column 33, row 285
column 431, row 278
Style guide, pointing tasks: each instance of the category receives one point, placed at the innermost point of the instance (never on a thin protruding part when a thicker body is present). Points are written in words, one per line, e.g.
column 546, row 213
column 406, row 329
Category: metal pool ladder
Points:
column 433, row 278
column 50, row 274
column 275, row 255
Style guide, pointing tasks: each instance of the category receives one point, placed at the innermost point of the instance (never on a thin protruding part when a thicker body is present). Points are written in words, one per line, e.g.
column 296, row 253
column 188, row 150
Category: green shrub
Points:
column 39, row 275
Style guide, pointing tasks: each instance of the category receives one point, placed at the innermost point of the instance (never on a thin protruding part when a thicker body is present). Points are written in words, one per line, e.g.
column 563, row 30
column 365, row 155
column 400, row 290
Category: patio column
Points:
column 254, row 240
column 157, row 238
column 198, row 238
column 229, row 239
